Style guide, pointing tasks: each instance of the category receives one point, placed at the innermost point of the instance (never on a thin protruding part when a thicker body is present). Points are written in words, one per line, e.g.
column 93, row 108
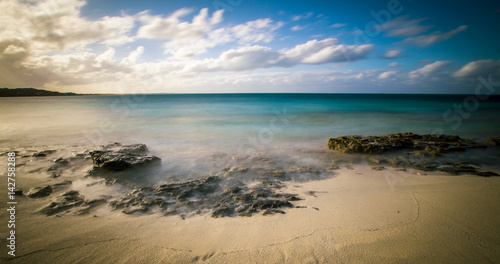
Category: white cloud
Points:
column 433, row 38
column 297, row 28
column 133, row 56
column 429, row 69
column 260, row 30
column 395, row 64
column 387, row 75
column 303, row 16
column 338, row 25
column 57, row 25
column 403, row 27
column 172, row 27
column 392, row 54
column 254, row 57
column 187, row 40
column 478, row 68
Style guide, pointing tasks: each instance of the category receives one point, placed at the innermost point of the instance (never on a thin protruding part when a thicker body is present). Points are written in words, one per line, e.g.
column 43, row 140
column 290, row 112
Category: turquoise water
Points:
column 186, row 131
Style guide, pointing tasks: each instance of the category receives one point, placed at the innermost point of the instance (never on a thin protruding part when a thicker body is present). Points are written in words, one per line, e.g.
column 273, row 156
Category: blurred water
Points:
column 202, row 132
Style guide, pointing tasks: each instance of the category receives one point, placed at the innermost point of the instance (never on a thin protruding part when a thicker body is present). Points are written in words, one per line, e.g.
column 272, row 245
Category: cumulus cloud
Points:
column 187, row 40
column 311, row 52
column 433, row 38
column 478, row 68
column 172, row 27
column 429, row 69
column 57, row 25
column 395, row 64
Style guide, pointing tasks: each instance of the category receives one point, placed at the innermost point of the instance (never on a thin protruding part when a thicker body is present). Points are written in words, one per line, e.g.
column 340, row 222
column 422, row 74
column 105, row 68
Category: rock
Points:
column 378, row 168
column 61, row 161
column 430, row 144
column 494, row 141
column 134, row 209
column 43, row 153
column 62, row 184
column 189, row 188
column 223, row 211
column 18, row 192
column 333, row 167
column 115, row 157
column 63, row 202
column 39, row 192
column 487, row 174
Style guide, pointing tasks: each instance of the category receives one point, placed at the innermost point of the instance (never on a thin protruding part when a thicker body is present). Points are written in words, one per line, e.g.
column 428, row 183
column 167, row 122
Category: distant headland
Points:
column 18, row 92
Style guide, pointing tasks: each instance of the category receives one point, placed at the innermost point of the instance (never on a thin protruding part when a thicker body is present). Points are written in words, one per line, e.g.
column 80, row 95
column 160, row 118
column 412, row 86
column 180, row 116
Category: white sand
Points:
column 360, row 219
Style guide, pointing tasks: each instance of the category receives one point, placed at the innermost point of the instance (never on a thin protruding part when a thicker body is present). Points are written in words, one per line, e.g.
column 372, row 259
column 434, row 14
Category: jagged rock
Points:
column 63, row 202
column 39, row 192
column 115, row 157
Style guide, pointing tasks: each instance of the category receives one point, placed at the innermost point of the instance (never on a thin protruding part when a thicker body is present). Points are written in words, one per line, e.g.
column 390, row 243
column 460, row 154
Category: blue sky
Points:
column 212, row 46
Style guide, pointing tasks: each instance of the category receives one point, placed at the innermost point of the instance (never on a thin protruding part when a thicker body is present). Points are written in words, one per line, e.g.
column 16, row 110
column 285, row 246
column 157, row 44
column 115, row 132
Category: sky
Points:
column 247, row 46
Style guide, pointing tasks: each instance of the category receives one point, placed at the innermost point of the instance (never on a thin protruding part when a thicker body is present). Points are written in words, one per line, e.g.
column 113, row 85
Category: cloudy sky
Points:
column 213, row 46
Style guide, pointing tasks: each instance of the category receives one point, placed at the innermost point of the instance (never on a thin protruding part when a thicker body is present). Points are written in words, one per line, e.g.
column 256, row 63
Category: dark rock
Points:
column 61, row 161
column 430, row 144
column 62, row 184
column 18, row 192
column 39, row 192
column 494, row 141
column 115, row 157
column 43, row 153
column 222, row 211
column 378, row 168
column 487, row 174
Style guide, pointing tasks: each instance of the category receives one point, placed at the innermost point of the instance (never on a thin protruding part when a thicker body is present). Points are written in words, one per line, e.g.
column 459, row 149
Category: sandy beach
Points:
column 353, row 217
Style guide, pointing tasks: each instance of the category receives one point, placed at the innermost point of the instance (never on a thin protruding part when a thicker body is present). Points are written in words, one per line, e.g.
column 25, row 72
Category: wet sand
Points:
column 357, row 216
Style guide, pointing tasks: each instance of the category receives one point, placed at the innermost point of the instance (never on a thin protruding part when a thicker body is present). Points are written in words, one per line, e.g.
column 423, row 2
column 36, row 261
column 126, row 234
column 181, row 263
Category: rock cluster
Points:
column 433, row 144
column 420, row 152
column 206, row 194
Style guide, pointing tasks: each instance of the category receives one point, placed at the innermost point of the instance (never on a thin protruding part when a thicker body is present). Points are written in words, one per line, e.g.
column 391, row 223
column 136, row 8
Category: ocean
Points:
column 198, row 134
